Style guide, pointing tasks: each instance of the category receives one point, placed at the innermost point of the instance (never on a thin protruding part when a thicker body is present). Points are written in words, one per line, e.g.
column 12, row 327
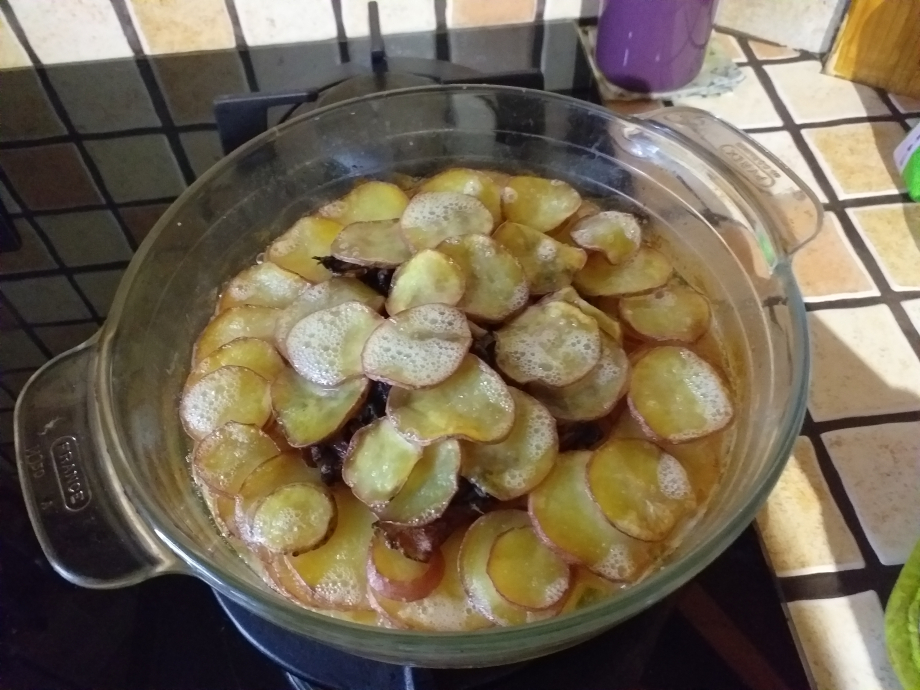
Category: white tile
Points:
column 203, row 150
column 769, row 51
column 269, row 22
column 12, row 54
column 396, row 16
column 905, row 104
column 729, row 45
column 746, row 106
column 912, row 307
column 804, row 24
column 139, row 167
column 880, row 469
column 913, row 122
column 165, row 27
column 40, row 300
column 561, row 9
column 782, row 145
column 87, row 237
column 843, row 640
column 72, row 31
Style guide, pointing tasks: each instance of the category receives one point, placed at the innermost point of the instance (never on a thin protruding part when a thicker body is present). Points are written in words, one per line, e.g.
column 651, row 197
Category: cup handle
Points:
column 83, row 520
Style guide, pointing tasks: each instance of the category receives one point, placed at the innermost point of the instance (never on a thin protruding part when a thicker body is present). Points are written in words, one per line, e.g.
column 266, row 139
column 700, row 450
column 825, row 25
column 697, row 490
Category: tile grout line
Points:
column 13, row 144
column 242, row 48
column 341, row 35
column 25, row 326
column 139, row 203
column 72, row 270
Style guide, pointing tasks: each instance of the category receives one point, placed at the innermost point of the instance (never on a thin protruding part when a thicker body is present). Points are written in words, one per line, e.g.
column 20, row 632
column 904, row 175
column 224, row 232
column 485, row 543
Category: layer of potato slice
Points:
column 538, row 202
column 445, row 609
column 368, row 201
column 222, row 508
column 429, row 277
column 228, row 394
column 593, row 396
column 432, row 217
column 228, row 455
column 418, row 347
column 335, row 574
column 549, row 265
column 496, row 286
column 429, row 488
column 396, row 577
column 585, row 209
column 297, row 248
column 552, row 343
column 285, row 468
column 514, row 466
column 478, row 544
column 309, row 413
column 252, row 353
column 526, row 572
column 263, row 285
column 678, row 395
column 294, row 518
column 605, row 322
column 587, row 589
column 325, row 347
column 565, row 515
column 641, row 490
column 246, row 321
column 645, row 270
column 672, row 313
column 379, row 462
column 469, row 182
column 615, row 234
column 371, row 243
column 473, row 404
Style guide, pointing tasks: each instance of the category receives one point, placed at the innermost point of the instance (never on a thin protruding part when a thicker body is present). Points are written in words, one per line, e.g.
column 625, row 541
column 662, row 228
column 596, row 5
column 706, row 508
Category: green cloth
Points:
column 902, row 616
column 912, row 175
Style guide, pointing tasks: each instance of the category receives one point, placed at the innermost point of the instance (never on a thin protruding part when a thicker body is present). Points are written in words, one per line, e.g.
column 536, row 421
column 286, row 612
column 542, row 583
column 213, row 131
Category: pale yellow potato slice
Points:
column 672, row 313
column 552, row 343
column 593, row 396
column 526, row 572
column 473, row 404
column 222, row 508
column 677, row 395
column 562, row 233
column 429, row 488
column 252, row 353
column 368, row 201
column 295, row 250
column 418, row 347
column 371, row 243
column 540, row 203
column 397, row 577
column 228, row 394
column 246, row 321
column 549, row 265
column 566, row 517
column 325, row 347
column 496, row 286
column 514, row 466
column 644, row 271
column 615, row 234
column 587, row 589
column 429, row 277
column 642, row 491
column 469, row 182
column 379, row 462
column 432, row 217
column 228, row 455
column 294, row 518
column 283, row 469
column 309, row 413
column 263, row 285
column 605, row 322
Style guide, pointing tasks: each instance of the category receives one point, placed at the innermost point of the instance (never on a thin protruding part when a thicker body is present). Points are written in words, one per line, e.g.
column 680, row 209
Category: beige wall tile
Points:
column 905, row 104
column 912, row 307
column 181, row 26
column 31, row 256
column 461, row 13
column 892, row 233
column 29, row 170
column 807, row 25
column 269, row 22
column 783, row 146
column 769, row 51
column 12, row 54
column 141, row 219
column 746, row 106
column 562, row 9
column 51, row 27
column 828, row 268
column 862, row 364
column 191, row 82
column 137, row 167
column 801, row 527
column 396, row 16
column 729, row 45
column 25, row 111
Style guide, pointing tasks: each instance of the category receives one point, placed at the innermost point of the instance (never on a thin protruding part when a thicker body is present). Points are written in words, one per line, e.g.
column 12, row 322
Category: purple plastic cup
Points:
column 653, row 45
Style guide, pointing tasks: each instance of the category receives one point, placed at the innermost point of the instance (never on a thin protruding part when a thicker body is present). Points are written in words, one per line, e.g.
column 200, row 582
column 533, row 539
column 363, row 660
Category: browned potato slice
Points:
column 605, row 322
column 513, row 467
column 552, row 343
column 263, row 285
column 593, row 396
column 526, row 572
column 379, row 462
column 588, row 588
column 418, row 347
column 283, row 469
column 678, row 395
column 222, row 508
column 471, row 183
column 368, row 201
column 540, row 203
column 228, row 394
column 252, row 353
column 429, row 488
column 228, row 455
column 325, row 347
column 645, row 270
column 294, row 518
column 246, row 321
column 617, row 235
column 473, row 404
column 496, row 286
column 641, row 490
column 330, row 293
column 549, row 265
column 675, row 312
column 295, row 250
column 429, row 277
column 432, row 217
column 309, row 413
column 396, row 577
column 567, row 518
column 371, row 243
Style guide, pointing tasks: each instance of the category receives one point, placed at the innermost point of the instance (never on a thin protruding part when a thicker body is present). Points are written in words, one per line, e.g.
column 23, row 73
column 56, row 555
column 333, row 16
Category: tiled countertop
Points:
column 846, row 511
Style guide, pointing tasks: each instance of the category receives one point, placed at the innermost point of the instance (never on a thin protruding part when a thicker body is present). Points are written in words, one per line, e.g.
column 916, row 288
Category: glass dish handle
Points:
column 87, row 528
